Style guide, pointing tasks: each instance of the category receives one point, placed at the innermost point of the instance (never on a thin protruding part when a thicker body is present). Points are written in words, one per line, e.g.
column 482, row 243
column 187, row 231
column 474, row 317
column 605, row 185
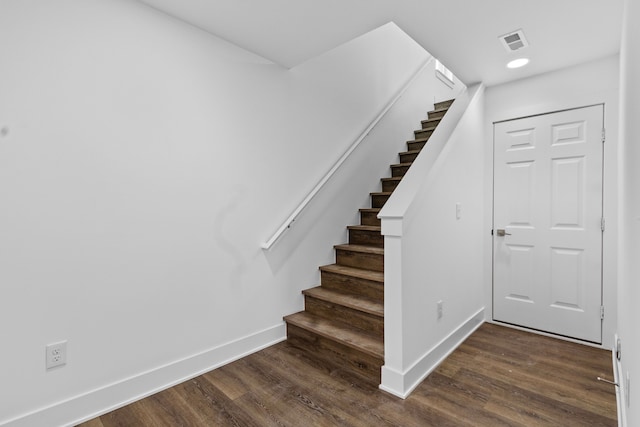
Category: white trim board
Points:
column 401, row 384
column 121, row 393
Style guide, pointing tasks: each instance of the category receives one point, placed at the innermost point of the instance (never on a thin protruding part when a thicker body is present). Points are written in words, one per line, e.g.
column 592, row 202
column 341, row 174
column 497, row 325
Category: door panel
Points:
column 521, row 285
column 548, row 199
column 567, row 266
column 567, row 187
column 520, row 176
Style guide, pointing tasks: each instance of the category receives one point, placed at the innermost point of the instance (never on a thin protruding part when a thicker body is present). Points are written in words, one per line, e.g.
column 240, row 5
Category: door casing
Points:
column 600, row 213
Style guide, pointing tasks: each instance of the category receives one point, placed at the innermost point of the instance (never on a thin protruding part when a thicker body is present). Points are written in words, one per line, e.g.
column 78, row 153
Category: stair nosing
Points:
column 402, row 164
column 381, row 193
column 295, row 320
column 364, row 227
column 391, row 178
column 370, row 209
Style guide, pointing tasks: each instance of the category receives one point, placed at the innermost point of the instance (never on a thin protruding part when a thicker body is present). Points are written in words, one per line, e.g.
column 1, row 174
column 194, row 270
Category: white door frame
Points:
column 493, row 224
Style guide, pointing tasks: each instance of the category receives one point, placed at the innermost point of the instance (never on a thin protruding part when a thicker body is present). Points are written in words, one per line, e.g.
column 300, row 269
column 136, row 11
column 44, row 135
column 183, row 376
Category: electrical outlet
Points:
column 56, row 354
column 439, row 304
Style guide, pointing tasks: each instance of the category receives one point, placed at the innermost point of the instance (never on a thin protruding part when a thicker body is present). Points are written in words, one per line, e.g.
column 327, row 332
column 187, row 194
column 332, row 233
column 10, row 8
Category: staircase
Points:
column 342, row 325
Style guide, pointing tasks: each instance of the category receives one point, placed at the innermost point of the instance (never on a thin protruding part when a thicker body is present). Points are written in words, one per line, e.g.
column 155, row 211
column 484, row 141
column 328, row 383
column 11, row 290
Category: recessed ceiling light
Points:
column 517, row 63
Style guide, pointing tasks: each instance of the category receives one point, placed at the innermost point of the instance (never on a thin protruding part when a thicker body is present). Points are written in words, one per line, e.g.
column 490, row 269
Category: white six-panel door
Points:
column 548, row 201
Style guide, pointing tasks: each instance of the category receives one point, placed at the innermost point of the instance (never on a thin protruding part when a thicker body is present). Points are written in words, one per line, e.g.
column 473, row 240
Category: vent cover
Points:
column 514, row 40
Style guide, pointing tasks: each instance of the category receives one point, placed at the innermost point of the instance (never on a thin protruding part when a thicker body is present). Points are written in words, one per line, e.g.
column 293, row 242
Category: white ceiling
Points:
column 463, row 34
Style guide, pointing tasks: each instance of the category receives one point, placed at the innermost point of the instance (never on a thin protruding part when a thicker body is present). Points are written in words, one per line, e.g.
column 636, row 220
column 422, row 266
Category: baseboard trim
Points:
column 113, row 396
column 401, row 384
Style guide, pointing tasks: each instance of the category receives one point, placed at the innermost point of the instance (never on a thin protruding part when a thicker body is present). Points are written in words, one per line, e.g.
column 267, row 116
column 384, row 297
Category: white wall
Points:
column 430, row 254
column 587, row 84
column 629, row 283
column 144, row 164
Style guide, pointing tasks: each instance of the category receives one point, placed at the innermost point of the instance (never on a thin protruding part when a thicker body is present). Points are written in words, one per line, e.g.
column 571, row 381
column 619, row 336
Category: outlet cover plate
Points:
column 56, row 354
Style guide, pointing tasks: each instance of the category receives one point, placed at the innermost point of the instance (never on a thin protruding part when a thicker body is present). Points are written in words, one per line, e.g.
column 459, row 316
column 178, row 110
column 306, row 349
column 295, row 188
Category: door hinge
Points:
column 604, row 134
column 602, row 312
column 602, row 224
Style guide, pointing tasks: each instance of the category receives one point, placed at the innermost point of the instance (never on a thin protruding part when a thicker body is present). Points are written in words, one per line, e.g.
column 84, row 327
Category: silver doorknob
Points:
column 501, row 232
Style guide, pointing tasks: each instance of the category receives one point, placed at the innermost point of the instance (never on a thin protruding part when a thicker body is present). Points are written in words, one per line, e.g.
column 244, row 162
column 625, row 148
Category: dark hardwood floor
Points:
column 498, row 377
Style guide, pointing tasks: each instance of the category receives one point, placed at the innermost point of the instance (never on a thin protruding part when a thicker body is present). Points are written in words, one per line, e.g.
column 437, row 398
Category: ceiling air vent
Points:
column 514, row 41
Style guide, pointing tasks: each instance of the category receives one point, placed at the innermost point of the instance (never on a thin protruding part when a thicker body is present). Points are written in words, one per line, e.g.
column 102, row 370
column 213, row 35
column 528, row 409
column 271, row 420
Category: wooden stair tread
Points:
column 439, row 110
column 446, row 101
column 364, row 227
column 374, row 276
column 359, row 303
column 419, row 139
column 410, row 152
column 361, row 248
column 371, row 209
column 381, row 193
column 399, row 165
column 341, row 333
column 393, row 178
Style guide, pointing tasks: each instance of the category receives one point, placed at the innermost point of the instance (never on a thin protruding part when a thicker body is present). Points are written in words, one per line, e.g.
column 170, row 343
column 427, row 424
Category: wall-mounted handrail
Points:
column 294, row 215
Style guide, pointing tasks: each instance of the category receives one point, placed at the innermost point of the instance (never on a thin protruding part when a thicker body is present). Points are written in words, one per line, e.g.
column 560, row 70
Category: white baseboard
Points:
column 112, row 396
column 401, row 384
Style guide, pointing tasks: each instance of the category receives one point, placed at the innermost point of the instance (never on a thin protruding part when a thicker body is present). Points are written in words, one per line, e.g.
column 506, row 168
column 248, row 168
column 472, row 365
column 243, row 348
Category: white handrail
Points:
column 291, row 218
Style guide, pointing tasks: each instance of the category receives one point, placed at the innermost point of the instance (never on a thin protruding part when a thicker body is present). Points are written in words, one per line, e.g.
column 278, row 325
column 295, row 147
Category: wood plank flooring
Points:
column 498, row 377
